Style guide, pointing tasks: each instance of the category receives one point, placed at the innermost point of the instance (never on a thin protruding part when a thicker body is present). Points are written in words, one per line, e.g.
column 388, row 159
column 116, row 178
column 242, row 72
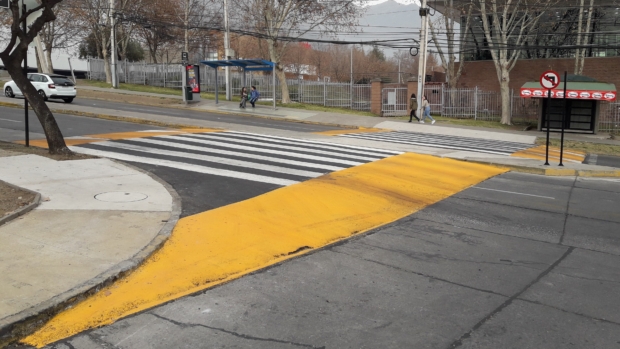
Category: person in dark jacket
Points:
column 413, row 105
column 254, row 96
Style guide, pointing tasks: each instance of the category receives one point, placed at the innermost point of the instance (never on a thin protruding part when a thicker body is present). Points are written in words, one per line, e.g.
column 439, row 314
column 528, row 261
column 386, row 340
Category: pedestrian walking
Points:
column 413, row 105
column 427, row 110
column 244, row 97
column 254, row 96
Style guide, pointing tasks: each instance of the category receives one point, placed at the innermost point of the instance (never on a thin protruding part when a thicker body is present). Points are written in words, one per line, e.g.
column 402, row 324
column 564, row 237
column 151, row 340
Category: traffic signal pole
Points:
column 422, row 56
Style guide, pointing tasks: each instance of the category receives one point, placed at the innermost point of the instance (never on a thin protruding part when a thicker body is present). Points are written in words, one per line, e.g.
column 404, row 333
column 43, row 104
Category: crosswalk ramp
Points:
column 443, row 141
column 260, row 158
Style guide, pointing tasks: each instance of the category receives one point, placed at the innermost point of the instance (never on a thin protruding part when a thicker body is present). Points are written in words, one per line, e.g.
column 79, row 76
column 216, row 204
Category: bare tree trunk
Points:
column 505, row 95
column 582, row 55
column 48, row 56
column 579, row 30
column 275, row 57
column 55, row 140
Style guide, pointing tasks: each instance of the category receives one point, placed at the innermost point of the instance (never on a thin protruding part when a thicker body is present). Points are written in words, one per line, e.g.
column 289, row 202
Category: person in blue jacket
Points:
column 254, row 95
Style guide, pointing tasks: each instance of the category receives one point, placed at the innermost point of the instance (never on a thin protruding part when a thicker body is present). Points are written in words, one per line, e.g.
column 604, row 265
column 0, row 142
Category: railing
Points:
column 330, row 94
column 395, row 101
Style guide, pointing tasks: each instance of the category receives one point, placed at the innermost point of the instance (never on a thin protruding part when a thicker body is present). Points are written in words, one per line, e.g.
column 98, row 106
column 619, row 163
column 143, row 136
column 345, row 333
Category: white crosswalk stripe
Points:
column 444, row 141
column 267, row 159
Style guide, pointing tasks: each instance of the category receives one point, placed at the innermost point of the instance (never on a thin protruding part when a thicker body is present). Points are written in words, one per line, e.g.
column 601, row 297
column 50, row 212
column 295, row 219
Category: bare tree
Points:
column 13, row 55
column 580, row 54
column 64, row 32
column 282, row 21
column 506, row 24
column 445, row 24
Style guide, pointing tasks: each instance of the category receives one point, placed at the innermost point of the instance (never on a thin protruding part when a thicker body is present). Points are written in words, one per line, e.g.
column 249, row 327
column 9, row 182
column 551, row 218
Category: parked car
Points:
column 48, row 86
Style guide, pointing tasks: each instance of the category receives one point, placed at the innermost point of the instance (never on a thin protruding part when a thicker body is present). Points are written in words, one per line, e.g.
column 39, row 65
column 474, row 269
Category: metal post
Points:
column 422, row 58
column 27, row 129
column 273, row 70
column 165, row 73
column 476, row 103
column 226, row 51
column 243, row 84
column 564, row 114
column 113, row 44
column 324, row 92
column 184, row 83
column 547, row 117
column 352, row 76
column 144, row 71
column 217, row 100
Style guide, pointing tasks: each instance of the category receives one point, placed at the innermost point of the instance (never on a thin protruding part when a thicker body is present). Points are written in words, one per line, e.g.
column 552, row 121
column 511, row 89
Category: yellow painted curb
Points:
column 216, row 246
column 359, row 130
column 42, row 143
column 539, row 153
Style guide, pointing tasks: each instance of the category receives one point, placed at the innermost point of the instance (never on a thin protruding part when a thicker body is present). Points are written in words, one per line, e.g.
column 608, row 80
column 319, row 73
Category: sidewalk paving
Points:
column 99, row 218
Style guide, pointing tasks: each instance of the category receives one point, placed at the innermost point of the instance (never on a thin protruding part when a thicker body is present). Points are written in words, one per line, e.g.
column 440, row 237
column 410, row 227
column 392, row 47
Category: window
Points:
column 62, row 81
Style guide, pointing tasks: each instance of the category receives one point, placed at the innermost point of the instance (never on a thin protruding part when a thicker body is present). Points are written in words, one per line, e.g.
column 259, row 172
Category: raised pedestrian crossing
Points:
column 260, row 158
column 444, row 141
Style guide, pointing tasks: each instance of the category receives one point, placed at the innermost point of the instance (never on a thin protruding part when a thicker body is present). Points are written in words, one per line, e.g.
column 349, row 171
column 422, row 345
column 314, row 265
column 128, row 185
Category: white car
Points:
column 48, row 86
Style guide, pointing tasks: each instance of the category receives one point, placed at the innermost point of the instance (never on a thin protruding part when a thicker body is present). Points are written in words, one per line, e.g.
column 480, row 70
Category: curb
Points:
column 23, row 210
column 28, row 321
column 552, row 172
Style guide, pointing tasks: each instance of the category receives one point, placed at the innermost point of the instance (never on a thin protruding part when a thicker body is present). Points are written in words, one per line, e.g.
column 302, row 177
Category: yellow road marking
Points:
column 341, row 132
column 42, row 143
column 538, row 153
column 216, row 246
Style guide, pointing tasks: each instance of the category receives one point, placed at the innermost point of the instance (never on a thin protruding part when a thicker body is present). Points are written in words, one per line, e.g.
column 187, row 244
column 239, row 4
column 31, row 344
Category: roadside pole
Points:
column 422, row 57
column 227, row 52
column 113, row 44
column 27, row 129
column 549, row 80
column 563, row 119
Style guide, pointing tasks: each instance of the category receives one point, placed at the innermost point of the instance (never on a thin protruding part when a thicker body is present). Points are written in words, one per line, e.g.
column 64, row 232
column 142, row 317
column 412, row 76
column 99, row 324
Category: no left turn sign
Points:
column 549, row 80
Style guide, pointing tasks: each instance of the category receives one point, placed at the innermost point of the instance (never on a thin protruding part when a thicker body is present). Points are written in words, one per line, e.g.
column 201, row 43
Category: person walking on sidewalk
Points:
column 254, row 95
column 244, row 97
column 427, row 110
column 413, row 105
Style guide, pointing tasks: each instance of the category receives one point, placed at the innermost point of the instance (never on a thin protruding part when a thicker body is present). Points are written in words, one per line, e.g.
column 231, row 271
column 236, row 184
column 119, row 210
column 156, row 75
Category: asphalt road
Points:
column 518, row 261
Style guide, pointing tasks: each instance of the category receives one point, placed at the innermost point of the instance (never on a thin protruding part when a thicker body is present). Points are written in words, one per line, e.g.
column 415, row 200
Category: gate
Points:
column 395, row 101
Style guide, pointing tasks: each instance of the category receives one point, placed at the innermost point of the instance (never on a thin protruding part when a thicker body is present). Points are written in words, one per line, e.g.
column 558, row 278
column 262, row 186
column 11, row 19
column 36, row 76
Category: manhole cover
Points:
column 120, row 196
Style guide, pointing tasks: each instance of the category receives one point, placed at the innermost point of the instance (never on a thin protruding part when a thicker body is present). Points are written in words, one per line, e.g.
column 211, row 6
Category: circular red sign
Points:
column 549, row 80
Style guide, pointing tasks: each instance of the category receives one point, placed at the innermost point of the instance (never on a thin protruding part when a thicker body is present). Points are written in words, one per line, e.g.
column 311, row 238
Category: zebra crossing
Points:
column 260, row 158
column 444, row 141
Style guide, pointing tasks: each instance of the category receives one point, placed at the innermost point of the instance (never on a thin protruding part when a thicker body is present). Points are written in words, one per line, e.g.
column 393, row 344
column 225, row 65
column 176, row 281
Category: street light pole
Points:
column 422, row 56
column 113, row 45
column 227, row 51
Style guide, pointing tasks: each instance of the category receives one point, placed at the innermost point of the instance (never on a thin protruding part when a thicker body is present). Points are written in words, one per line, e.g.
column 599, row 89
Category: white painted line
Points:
column 513, row 192
column 329, row 146
column 184, row 166
column 10, row 120
column 259, row 150
column 225, row 161
column 287, row 147
column 239, row 154
column 394, row 152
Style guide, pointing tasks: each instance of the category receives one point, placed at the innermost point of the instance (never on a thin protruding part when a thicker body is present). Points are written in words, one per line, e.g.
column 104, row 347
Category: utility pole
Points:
column 422, row 56
column 227, row 52
column 113, row 44
column 351, row 82
column 399, row 70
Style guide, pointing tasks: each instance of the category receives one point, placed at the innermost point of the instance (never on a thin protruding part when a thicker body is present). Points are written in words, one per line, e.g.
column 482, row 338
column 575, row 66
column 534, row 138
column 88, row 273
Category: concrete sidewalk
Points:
column 97, row 220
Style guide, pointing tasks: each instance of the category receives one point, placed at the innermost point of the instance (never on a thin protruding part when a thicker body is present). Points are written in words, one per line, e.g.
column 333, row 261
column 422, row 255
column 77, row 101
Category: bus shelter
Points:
column 583, row 98
column 247, row 65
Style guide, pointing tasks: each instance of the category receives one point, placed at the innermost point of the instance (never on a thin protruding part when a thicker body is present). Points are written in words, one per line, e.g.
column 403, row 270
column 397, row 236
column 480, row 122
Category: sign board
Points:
column 193, row 77
column 597, row 95
column 391, row 98
column 4, row 3
column 549, row 80
column 184, row 56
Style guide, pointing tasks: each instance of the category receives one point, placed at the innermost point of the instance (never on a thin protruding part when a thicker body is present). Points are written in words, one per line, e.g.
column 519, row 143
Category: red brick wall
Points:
column 483, row 75
column 375, row 96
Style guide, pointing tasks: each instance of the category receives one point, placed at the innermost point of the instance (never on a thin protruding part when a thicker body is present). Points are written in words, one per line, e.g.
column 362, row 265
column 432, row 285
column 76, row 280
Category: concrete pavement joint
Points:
column 23, row 210
column 236, row 334
column 570, row 193
column 27, row 322
column 569, row 312
column 421, row 274
column 509, row 301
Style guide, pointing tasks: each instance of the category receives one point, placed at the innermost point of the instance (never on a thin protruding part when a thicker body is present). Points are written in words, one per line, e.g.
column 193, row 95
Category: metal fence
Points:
column 395, row 101
column 454, row 103
column 330, row 94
